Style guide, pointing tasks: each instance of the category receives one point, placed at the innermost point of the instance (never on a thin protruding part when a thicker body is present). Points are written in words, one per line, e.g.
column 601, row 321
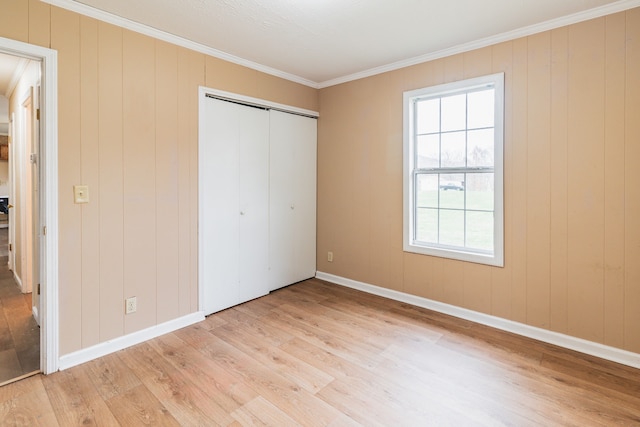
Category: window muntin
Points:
column 453, row 170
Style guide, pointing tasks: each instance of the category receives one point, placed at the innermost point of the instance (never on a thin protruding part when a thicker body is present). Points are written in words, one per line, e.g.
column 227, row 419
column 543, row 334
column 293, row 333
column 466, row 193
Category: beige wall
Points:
column 572, row 184
column 128, row 129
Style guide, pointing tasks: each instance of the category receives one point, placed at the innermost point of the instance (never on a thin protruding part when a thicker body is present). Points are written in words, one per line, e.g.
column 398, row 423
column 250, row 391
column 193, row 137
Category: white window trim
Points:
column 497, row 258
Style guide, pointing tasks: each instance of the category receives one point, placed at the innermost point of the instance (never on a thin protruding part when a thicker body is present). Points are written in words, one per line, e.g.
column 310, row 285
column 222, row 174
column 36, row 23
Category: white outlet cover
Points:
column 131, row 305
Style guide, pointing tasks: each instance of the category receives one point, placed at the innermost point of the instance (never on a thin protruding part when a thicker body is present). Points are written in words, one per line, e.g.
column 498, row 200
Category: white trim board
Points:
column 583, row 346
column 99, row 350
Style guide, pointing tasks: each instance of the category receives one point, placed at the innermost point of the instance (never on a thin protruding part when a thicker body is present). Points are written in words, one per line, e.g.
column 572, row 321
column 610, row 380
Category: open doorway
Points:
column 19, row 205
column 30, row 204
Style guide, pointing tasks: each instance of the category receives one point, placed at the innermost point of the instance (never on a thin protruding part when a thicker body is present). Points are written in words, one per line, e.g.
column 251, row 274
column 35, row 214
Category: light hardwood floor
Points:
column 319, row 354
column 19, row 332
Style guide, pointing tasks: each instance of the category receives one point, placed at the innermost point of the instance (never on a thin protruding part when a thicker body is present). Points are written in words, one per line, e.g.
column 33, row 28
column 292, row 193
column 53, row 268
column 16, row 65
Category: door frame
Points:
column 49, row 315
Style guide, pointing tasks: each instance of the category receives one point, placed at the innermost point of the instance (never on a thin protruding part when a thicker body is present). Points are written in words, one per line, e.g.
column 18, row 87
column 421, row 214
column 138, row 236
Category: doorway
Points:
column 19, row 274
column 33, row 193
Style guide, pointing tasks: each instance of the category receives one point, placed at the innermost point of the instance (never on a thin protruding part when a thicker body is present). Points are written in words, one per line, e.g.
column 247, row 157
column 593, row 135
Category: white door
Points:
column 305, row 190
column 282, row 203
column 12, row 193
column 292, row 217
column 254, row 203
column 35, row 210
column 232, row 203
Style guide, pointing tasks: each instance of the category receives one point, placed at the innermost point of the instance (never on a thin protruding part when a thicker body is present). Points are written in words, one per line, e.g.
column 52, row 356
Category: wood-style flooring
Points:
column 19, row 332
column 317, row 354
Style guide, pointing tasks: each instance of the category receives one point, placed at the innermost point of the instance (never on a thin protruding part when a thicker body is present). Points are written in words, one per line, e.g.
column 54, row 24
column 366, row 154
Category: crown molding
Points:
column 137, row 27
column 552, row 24
column 75, row 6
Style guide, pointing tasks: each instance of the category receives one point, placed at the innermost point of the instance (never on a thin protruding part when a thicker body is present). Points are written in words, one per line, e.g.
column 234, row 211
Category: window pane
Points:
column 480, row 109
column 480, row 191
column 427, row 191
column 453, row 149
column 453, row 180
column 428, row 116
column 428, row 151
column 480, row 148
column 452, row 191
column 452, row 227
column 480, row 230
column 454, row 111
column 427, row 225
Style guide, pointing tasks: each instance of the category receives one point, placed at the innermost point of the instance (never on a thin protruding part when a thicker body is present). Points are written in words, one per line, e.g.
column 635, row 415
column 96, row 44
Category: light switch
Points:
column 81, row 193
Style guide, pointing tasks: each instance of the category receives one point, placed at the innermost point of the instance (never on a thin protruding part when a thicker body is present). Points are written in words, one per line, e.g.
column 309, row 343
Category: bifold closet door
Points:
column 292, row 205
column 234, row 198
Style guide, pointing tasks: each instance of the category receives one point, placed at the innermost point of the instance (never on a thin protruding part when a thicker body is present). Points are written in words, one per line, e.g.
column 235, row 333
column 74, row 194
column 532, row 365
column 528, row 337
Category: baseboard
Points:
column 34, row 311
column 17, row 280
column 86, row 354
column 588, row 347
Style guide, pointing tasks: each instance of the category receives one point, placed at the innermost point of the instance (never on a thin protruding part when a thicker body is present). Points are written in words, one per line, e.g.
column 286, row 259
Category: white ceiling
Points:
column 323, row 42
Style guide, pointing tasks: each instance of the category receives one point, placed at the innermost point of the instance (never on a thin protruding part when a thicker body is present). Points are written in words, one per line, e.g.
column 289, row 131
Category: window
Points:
column 453, row 139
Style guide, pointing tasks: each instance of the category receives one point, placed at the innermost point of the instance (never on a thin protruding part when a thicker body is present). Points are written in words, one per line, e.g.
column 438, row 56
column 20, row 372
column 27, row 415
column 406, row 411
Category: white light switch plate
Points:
column 81, row 193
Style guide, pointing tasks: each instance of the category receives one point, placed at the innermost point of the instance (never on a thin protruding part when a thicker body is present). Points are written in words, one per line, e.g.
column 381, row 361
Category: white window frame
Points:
column 409, row 171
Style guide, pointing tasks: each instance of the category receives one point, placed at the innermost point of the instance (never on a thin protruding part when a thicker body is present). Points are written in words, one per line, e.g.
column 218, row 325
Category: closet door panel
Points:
column 281, row 203
column 304, row 165
column 292, row 199
column 234, row 174
column 254, row 204
column 219, row 222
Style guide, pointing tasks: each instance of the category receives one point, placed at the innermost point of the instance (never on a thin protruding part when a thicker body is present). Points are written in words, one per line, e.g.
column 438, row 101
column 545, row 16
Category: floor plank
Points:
column 320, row 354
column 19, row 332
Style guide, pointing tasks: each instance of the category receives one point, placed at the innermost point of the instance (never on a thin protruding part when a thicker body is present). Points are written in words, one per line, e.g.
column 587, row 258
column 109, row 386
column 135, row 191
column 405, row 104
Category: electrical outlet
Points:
column 130, row 305
column 330, row 256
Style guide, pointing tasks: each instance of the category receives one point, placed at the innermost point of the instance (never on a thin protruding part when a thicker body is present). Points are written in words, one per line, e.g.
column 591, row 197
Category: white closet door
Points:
column 292, row 207
column 254, row 204
column 282, row 202
column 232, row 205
column 305, row 191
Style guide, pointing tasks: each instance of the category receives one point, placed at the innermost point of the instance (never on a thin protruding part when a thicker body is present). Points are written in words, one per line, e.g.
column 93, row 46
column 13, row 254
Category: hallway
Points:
column 19, row 333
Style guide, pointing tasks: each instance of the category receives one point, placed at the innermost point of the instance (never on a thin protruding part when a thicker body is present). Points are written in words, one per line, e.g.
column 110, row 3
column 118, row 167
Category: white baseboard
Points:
column 588, row 347
column 108, row 347
column 34, row 311
column 17, row 280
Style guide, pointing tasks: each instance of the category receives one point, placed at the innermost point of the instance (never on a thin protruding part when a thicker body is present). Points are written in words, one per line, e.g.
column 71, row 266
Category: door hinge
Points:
column 38, row 288
column 38, row 114
column 10, row 246
column 44, row 230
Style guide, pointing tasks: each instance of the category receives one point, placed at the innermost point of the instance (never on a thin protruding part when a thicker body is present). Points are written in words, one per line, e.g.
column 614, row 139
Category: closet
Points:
column 257, row 199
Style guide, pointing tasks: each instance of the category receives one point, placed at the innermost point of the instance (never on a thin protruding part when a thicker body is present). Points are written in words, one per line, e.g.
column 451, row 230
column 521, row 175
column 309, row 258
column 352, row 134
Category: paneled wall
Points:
column 128, row 129
column 572, row 187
